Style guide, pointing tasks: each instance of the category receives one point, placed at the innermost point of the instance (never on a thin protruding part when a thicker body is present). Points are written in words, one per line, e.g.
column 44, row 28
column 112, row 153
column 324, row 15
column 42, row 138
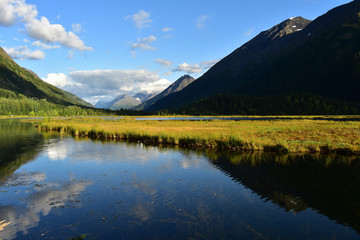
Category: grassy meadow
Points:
column 282, row 136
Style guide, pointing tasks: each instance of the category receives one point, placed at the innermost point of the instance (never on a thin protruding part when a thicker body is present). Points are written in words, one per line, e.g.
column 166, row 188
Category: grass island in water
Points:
column 293, row 134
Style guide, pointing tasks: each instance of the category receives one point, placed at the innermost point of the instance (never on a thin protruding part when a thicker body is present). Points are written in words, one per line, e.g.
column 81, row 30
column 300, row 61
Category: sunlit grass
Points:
column 305, row 135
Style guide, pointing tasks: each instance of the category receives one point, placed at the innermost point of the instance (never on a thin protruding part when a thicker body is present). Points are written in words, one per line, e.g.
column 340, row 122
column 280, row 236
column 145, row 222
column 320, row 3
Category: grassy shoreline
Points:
column 280, row 136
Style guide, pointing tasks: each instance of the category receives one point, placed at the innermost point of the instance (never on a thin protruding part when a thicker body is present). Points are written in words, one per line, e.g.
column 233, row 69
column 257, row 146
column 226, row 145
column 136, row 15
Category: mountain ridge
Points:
column 316, row 59
column 17, row 79
column 176, row 86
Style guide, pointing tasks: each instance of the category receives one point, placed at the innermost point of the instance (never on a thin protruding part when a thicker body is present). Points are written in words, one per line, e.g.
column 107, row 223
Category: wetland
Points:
column 55, row 186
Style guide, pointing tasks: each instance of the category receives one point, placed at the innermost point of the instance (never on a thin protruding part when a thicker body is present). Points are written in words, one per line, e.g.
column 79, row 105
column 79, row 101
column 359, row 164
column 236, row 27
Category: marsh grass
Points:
column 280, row 136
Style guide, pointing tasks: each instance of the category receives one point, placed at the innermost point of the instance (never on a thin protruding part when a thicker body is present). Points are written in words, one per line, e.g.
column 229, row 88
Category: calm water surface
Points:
column 54, row 187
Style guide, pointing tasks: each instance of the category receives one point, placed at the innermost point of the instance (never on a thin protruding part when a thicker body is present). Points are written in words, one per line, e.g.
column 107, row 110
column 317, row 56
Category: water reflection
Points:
column 66, row 188
column 329, row 184
column 25, row 213
column 19, row 143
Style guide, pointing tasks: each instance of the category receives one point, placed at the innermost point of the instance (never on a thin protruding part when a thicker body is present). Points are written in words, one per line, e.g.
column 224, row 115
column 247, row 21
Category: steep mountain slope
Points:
column 177, row 86
column 20, row 80
column 120, row 102
column 322, row 59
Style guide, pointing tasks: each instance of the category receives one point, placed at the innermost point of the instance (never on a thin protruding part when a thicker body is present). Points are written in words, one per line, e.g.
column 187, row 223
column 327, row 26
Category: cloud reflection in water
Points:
column 25, row 214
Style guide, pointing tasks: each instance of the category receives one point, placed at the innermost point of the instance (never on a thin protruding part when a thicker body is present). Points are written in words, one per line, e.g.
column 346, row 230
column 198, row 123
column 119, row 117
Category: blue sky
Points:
column 100, row 49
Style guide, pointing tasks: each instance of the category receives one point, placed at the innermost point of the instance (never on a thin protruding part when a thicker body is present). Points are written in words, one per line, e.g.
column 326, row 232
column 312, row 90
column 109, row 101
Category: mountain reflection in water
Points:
column 328, row 184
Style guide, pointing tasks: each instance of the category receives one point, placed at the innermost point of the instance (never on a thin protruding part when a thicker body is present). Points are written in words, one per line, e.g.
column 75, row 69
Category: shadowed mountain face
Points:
column 20, row 80
column 297, row 56
column 328, row 184
column 177, row 86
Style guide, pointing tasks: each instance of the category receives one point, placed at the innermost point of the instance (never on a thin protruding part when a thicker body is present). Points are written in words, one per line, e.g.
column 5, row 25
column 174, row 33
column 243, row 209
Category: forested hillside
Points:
column 20, row 80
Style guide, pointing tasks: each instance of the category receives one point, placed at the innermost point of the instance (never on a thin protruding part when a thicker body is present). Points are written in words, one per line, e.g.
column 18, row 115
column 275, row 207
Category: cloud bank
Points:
column 107, row 84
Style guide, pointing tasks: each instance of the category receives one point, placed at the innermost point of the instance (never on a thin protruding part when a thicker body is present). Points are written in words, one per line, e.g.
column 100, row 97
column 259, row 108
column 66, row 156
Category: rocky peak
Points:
column 291, row 25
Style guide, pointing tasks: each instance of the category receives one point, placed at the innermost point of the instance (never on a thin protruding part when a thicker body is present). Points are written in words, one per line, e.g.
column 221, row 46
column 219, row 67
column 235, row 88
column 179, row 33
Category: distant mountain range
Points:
column 144, row 96
column 142, row 101
column 17, row 80
column 297, row 63
column 123, row 101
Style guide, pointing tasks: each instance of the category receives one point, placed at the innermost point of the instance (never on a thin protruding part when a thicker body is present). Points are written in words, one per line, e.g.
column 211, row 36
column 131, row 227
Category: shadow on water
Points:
column 328, row 184
column 19, row 143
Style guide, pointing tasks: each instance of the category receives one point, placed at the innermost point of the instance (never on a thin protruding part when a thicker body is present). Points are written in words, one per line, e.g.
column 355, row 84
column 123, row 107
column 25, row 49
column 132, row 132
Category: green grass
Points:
column 282, row 136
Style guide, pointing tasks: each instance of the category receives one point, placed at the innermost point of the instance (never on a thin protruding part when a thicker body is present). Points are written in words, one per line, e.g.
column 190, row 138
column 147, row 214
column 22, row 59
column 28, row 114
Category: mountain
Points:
column 319, row 59
column 104, row 105
column 144, row 96
column 120, row 102
column 20, row 80
column 177, row 86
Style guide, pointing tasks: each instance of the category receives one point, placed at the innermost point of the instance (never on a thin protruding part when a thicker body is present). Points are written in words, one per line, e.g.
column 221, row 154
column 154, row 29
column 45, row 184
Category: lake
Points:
column 59, row 187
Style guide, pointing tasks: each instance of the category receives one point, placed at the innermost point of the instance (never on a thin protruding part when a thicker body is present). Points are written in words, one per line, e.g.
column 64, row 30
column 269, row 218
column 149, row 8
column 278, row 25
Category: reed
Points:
column 281, row 136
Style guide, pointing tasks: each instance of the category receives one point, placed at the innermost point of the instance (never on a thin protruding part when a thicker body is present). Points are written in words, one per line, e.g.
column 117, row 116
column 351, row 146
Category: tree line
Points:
column 295, row 104
column 12, row 103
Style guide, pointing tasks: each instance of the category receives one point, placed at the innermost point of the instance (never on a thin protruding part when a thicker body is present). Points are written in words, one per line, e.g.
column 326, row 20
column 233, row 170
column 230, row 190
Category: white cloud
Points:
column 141, row 19
column 70, row 55
column 24, row 53
column 107, row 84
column 95, row 99
column 45, row 31
column 7, row 13
column 39, row 29
column 200, row 23
column 195, row 68
column 76, row 27
column 185, row 67
column 144, row 43
column 249, row 32
column 90, row 85
column 163, row 62
column 167, row 29
column 44, row 45
column 10, row 10
column 208, row 64
column 57, row 79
